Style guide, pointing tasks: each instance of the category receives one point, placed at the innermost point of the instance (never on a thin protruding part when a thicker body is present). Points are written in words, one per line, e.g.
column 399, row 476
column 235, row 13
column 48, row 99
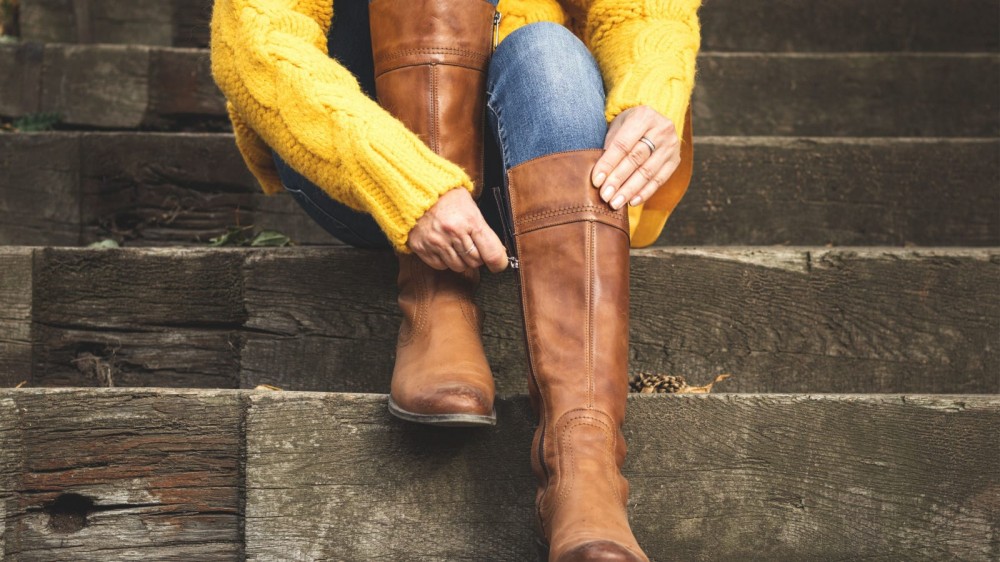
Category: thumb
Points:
column 491, row 249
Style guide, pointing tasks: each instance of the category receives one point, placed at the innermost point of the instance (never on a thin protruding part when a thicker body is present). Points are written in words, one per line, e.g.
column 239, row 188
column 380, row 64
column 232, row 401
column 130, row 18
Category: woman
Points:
column 584, row 175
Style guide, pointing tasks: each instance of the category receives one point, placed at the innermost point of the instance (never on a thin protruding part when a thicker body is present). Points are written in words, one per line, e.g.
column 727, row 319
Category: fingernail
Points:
column 635, row 201
column 599, row 179
column 618, row 202
column 607, row 191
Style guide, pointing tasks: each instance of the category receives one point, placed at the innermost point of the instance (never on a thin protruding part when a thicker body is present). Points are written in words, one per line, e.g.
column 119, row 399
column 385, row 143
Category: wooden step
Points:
column 149, row 189
column 727, row 25
column 777, row 319
column 850, row 25
column 737, row 93
column 158, row 474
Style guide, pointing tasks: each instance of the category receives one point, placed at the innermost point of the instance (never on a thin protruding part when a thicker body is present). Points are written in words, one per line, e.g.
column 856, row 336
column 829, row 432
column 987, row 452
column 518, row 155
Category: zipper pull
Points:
column 508, row 234
column 496, row 29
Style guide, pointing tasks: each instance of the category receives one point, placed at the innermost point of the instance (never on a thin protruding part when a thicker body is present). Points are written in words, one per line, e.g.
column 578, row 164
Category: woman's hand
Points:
column 453, row 234
column 630, row 171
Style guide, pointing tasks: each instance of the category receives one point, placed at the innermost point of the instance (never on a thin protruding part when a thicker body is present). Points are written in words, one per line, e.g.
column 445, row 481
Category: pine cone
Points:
column 649, row 383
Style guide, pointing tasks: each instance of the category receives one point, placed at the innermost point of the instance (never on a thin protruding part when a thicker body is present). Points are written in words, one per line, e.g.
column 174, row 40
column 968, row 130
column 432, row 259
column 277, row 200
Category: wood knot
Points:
column 68, row 513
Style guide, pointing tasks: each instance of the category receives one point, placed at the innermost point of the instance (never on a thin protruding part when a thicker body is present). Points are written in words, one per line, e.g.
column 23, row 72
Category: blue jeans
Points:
column 544, row 95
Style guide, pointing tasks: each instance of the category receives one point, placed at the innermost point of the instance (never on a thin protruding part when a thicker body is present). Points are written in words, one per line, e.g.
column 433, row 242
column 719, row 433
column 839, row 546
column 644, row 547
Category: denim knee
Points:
column 546, row 90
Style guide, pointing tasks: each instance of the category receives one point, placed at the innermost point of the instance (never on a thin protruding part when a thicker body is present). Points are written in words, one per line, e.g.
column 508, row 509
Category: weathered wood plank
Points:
column 719, row 477
column 850, row 25
column 16, row 285
column 848, row 95
column 10, row 466
column 737, row 94
column 151, row 318
column 727, row 25
column 779, row 319
column 128, row 475
column 843, row 192
column 184, row 188
column 39, row 189
column 177, row 188
column 21, row 67
column 180, row 23
column 182, row 84
column 105, row 86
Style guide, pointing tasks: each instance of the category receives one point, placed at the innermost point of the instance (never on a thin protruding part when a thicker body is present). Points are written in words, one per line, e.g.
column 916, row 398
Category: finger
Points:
column 650, row 188
column 641, row 176
column 490, row 248
column 617, row 146
column 450, row 258
column 636, row 157
column 466, row 249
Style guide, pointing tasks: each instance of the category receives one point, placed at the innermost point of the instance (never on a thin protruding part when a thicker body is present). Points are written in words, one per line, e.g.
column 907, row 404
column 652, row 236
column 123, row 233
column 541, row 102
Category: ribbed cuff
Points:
column 401, row 178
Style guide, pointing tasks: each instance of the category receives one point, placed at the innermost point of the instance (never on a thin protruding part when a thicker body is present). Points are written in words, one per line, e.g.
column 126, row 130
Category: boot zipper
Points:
column 506, row 220
column 496, row 29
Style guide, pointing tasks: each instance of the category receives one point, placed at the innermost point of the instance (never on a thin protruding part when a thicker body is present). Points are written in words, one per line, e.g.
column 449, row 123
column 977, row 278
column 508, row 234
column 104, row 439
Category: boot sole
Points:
column 447, row 420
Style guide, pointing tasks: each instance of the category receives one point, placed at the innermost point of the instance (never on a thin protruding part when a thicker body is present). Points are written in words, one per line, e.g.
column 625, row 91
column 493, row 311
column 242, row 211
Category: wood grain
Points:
column 154, row 189
column 159, row 475
column 850, row 95
column 850, row 25
column 858, row 94
column 716, row 477
column 39, row 189
column 151, row 318
column 16, row 284
column 778, row 319
column 727, row 25
column 840, row 191
column 333, row 476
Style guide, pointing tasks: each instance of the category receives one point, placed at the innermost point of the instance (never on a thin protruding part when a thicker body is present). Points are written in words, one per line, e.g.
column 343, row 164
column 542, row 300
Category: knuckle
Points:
column 620, row 145
column 636, row 157
column 647, row 174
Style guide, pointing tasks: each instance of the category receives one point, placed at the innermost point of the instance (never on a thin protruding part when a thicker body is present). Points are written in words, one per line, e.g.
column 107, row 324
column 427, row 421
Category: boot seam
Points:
column 592, row 245
column 563, row 210
column 431, row 51
column 564, row 489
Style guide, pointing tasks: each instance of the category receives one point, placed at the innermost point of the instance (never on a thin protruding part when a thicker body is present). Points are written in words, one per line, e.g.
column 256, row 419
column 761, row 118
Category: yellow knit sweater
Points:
column 269, row 58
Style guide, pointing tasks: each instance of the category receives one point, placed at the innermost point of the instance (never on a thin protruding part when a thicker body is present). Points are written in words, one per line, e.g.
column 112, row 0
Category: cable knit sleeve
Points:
column 269, row 58
column 647, row 52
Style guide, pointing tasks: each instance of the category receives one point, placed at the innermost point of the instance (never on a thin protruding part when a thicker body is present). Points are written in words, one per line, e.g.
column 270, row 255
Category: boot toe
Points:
column 455, row 399
column 601, row 551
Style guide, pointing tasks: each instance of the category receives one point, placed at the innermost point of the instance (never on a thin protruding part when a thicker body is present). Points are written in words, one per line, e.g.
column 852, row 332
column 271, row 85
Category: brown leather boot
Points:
column 441, row 376
column 431, row 58
column 573, row 262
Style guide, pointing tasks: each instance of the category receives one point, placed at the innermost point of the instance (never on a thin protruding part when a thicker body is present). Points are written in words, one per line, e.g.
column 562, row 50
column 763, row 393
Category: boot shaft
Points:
column 573, row 253
column 431, row 58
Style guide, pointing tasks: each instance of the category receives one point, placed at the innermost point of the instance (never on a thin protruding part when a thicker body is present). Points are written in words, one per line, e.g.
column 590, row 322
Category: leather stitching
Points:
column 435, row 141
column 565, row 210
column 566, row 484
column 431, row 51
column 591, row 266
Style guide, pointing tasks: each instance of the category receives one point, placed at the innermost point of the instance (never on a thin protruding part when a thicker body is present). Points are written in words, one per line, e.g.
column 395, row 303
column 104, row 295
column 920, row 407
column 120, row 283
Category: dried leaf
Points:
column 703, row 389
column 266, row 387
